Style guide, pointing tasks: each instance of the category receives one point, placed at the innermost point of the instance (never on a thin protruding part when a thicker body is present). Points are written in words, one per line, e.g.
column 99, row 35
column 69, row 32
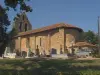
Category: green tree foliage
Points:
column 4, row 23
column 90, row 37
column 14, row 3
column 4, row 20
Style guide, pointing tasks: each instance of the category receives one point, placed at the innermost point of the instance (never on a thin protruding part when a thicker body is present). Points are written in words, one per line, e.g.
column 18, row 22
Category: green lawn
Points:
column 49, row 67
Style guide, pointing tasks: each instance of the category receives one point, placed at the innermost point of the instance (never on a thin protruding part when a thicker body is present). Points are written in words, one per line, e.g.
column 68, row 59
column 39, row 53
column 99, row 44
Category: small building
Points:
column 55, row 39
column 82, row 45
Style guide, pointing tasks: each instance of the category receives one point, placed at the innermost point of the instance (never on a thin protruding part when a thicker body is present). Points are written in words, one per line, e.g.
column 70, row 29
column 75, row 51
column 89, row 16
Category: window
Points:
column 26, row 27
column 20, row 26
column 23, row 17
column 40, row 41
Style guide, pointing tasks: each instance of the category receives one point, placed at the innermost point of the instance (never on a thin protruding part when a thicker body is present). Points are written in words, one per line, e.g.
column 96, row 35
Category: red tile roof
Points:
column 54, row 26
column 84, row 44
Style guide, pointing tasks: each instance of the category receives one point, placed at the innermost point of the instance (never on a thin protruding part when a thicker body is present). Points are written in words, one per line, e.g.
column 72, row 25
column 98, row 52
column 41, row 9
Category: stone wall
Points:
column 23, row 44
column 56, row 39
column 71, row 36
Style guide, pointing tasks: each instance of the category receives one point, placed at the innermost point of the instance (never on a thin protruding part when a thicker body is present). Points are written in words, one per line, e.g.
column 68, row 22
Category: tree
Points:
column 4, row 20
column 15, row 3
column 90, row 37
column 4, row 23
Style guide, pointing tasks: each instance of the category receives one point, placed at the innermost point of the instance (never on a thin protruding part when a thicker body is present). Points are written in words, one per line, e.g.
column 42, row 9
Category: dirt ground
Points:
column 88, row 58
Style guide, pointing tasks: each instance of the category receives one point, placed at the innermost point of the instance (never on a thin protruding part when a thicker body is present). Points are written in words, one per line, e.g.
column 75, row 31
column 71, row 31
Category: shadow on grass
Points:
column 50, row 67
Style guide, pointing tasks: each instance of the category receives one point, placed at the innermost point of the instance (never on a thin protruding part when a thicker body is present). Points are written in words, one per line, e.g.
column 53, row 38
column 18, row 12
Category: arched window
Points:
column 23, row 17
column 20, row 26
column 26, row 27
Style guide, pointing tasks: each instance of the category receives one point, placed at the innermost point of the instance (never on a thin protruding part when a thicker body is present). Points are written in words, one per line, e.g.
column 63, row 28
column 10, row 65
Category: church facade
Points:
column 55, row 39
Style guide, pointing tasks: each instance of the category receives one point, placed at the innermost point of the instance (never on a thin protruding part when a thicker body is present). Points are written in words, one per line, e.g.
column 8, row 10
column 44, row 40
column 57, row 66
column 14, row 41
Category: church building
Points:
column 56, row 39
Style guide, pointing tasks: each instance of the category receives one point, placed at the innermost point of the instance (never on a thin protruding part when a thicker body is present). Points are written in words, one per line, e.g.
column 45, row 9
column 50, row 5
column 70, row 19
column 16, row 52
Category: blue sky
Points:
column 81, row 13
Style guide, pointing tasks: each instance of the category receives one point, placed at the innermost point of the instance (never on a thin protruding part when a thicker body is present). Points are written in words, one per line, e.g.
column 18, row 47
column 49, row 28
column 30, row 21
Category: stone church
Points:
column 56, row 39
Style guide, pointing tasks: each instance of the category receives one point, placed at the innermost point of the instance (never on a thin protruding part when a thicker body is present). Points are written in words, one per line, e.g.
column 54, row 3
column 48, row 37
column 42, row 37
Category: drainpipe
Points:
column 99, row 35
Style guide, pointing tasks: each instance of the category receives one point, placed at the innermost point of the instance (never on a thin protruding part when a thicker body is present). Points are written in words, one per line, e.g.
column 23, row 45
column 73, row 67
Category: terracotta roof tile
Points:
column 84, row 44
column 54, row 26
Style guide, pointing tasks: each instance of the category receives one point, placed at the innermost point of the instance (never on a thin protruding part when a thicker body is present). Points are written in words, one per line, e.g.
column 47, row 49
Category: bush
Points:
column 95, row 53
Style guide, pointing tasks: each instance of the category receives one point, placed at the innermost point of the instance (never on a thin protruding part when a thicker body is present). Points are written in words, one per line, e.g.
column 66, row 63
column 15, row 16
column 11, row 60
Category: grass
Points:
column 49, row 67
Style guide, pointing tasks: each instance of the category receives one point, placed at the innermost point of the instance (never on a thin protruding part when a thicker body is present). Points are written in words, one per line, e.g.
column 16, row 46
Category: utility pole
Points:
column 99, row 34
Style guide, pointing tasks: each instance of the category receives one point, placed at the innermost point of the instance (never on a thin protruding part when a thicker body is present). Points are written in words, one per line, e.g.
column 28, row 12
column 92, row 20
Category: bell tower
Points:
column 21, row 23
